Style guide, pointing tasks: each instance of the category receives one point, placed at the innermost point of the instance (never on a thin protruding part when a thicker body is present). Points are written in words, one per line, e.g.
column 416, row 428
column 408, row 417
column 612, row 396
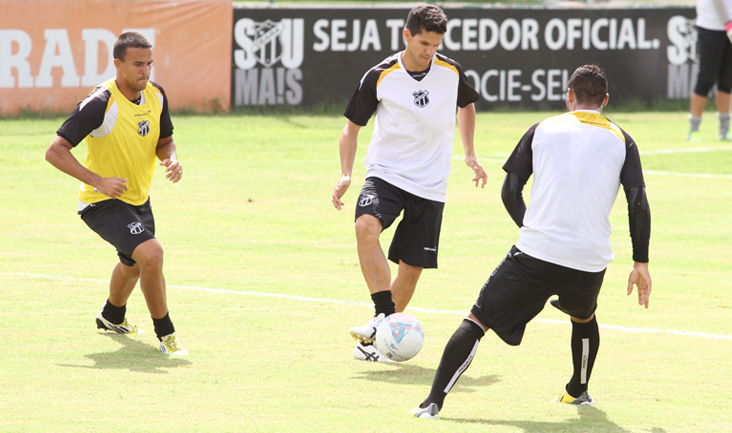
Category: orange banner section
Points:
column 52, row 53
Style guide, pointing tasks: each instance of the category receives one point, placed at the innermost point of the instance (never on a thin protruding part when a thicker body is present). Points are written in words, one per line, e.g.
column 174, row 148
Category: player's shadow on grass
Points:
column 416, row 375
column 134, row 355
column 590, row 419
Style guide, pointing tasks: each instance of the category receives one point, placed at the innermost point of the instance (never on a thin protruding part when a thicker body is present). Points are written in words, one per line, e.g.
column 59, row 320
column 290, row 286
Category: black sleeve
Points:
column 466, row 94
column 639, row 211
column 166, row 125
column 639, row 219
column 86, row 117
column 631, row 175
column 363, row 102
column 519, row 163
column 513, row 199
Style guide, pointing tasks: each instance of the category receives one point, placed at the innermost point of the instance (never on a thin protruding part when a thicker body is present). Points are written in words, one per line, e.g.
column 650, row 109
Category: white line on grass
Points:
column 365, row 304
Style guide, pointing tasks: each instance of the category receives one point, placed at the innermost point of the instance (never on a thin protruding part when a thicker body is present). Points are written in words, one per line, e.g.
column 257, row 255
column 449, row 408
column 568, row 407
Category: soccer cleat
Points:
column 425, row 412
column 695, row 136
column 367, row 332
column 584, row 398
column 369, row 352
column 727, row 136
column 170, row 345
column 123, row 328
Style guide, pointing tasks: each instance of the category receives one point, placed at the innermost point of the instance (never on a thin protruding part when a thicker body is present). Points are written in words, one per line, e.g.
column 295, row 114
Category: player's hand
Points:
column 173, row 170
column 728, row 29
column 640, row 277
column 112, row 187
column 340, row 189
column 480, row 174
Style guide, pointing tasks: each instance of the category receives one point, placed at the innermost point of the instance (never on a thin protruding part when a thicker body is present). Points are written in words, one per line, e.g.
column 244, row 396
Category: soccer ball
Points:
column 399, row 337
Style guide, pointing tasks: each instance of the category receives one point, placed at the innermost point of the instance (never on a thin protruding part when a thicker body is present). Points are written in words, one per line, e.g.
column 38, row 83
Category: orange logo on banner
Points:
column 53, row 53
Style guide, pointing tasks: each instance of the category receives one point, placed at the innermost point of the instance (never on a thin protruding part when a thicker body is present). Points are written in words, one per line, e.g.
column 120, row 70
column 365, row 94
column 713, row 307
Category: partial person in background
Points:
column 415, row 95
column 127, row 125
column 578, row 161
column 714, row 30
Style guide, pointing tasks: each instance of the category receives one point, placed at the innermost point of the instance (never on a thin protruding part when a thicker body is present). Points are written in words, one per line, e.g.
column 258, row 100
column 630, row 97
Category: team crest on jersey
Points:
column 421, row 98
column 136, row 228
column 143, row 128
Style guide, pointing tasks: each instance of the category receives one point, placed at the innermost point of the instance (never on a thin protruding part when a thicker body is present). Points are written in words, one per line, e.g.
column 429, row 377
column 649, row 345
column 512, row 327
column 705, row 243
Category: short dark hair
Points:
column 589, row 84
column 129, row 40
column 428, row 18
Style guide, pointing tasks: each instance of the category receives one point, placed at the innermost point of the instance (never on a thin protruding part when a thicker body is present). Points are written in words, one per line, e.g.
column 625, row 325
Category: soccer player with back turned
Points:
column 579, row 160
column 126, row 123
column 415, row 95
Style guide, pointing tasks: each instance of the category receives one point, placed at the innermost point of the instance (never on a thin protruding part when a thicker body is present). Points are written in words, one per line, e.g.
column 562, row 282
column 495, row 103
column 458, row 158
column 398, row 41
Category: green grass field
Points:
column 264, row 283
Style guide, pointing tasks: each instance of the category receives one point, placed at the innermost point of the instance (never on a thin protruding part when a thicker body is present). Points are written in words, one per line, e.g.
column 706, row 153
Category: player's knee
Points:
column 149, row 254
column 409, row 271
column 368, row 227
column 130, row 272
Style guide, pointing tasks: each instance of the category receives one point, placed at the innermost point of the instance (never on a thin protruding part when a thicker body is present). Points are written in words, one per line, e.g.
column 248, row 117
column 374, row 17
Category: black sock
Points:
column 114, row 313
column 383, row 303
column 163, row 326
column 456, row 358
column 585, row 343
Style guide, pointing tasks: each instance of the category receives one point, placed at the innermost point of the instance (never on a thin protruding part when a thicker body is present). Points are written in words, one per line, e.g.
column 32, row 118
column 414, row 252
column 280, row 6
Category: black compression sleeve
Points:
column 639, row 218
column 513, row 200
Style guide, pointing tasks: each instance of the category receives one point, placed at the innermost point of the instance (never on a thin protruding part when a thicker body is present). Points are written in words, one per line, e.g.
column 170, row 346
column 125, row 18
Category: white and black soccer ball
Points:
column 399, row 337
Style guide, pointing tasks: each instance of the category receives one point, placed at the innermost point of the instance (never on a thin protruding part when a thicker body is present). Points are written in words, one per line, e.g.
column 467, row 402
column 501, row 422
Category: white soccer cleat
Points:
column 367, row 332
column 430, row 411
column 369, row 352
column 170, row 345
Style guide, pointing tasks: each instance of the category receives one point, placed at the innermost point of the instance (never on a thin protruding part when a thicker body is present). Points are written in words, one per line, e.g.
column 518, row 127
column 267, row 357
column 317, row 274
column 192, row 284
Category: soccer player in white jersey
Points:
column 578, row 160
column 714, row 34
column 415, row 94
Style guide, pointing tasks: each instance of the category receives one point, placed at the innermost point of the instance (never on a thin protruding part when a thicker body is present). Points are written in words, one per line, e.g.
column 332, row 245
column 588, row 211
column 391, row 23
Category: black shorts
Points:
column 417, row 236
column 715, row 61
column 519, row 287
column 121, row 224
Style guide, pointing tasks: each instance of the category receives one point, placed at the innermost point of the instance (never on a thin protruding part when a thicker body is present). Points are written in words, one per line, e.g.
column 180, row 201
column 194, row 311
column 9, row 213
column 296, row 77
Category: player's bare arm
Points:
column 348, row 143
column 641, row 278
column 59, row 155
column 466, row 125
column 168, row 156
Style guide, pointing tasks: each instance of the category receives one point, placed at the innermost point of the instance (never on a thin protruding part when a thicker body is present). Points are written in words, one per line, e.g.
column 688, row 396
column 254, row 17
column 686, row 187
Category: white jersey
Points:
column 713, row 14
column 411, row 147
column 578, row 160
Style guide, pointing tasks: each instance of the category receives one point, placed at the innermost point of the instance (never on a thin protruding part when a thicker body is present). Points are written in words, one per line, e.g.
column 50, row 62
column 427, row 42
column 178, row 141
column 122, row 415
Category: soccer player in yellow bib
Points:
column 127, row 126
